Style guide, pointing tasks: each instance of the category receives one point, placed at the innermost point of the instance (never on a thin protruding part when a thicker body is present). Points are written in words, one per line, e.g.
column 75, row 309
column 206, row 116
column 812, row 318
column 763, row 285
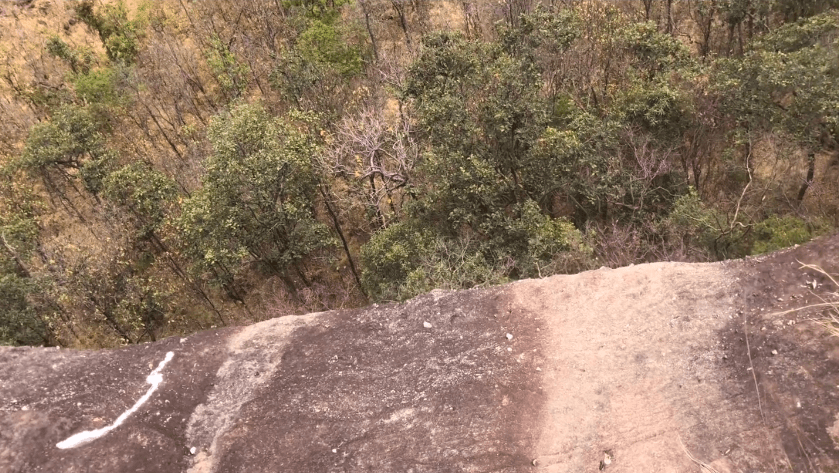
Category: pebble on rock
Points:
column 426, row 324
column 509, row 336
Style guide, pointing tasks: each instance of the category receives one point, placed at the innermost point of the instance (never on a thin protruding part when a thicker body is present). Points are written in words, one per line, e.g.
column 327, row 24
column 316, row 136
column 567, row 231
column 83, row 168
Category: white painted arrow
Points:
column 155, row 378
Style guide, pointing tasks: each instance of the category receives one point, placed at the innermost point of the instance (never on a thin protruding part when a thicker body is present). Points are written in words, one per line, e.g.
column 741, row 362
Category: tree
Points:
column 480, row 116
column 379, row 156
column 144, row 194
column 119, row 35
column 257, row 205
column 27, row 309
column 785, row 83
column 67, row 147
column 315, row 71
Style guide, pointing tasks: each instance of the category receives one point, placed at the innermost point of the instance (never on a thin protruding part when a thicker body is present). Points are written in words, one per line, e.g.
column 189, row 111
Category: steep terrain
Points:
column 643, row 368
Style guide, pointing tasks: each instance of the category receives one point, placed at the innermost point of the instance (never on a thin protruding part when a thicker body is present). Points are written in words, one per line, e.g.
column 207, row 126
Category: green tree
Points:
column 229, row 72
column 479, row 113
column 482, row 120
column 785, row 83
column 143, row 193
column 257, row 205
column 25, row 317
column 315, row 71
column 67, row 147
column 80, row 61
column 119, row 35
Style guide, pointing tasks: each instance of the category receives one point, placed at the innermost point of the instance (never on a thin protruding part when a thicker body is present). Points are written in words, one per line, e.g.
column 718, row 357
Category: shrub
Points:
column 391, row 255
column 407, row 259
column 778, row 232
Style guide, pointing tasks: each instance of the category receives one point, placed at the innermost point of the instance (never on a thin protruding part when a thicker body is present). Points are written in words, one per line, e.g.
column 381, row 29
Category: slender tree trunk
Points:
column 160, row 127
column 648, row 6
column 366, row 12
column 334, row 216
column 22, row 270
column 373, row 191
column 109, row 317
column 301, row 275
column 291, row 287
column 471, row 21
column 811, row 171
column 176, row 267
column 730, row 48
column 400, row 11
column 67, row 321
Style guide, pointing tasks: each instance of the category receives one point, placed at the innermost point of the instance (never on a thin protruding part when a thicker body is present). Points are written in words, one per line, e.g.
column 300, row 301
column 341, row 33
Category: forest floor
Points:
column 643, row 368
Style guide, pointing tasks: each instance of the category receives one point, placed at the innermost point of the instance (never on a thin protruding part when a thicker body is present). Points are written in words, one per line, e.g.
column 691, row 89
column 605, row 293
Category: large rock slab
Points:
column 644, row 368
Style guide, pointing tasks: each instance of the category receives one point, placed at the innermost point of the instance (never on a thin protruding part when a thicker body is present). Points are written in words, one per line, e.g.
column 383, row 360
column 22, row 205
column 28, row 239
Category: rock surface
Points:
column 644, row 368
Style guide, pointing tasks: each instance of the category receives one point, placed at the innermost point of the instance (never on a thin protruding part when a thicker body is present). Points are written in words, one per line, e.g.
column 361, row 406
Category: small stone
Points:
column 774, row 352
column 509, row 336
column 534, row 462
column 538, row 369
column 509, row 349
column 192, row 450
column 334, row 450
column 426, row 324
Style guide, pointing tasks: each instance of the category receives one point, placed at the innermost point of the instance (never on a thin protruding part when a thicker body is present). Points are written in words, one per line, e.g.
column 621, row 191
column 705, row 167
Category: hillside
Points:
column 168, row 167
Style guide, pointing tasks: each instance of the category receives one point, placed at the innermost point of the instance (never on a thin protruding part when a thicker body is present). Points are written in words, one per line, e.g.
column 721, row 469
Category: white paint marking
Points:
column 155, row 378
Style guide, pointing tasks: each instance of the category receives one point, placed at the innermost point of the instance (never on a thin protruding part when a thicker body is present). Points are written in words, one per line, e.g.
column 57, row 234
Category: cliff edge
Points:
column 643, row 368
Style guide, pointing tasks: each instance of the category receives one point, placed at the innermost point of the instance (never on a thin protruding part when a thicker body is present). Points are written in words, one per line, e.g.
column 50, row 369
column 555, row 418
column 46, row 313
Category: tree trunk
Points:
column 648, row 6
column 366, row 13
column 334, row 216
column 471, row 21
column 380, row 219
column 22, row 270
column 403, row 22
column 811, row 171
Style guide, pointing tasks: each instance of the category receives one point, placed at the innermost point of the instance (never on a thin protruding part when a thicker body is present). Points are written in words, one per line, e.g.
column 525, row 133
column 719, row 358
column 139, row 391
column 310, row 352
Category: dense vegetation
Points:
column 173, row 166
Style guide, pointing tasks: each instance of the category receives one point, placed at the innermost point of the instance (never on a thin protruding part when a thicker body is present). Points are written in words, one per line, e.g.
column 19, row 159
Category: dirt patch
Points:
column 631, row 367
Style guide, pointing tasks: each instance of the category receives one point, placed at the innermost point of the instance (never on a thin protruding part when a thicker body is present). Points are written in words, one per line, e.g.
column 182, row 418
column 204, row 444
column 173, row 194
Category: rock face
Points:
column 644, row 368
